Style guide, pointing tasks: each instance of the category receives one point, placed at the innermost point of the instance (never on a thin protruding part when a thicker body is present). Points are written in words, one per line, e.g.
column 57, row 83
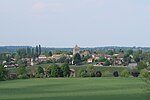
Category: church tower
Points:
column 76, row 50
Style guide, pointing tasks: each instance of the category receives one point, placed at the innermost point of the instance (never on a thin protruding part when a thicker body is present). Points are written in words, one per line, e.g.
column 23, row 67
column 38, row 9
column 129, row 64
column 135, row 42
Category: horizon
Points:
column 64, row 23
column 74, row 46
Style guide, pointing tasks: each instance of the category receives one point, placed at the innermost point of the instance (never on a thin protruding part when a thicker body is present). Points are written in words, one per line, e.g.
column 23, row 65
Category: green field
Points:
column 74, row 89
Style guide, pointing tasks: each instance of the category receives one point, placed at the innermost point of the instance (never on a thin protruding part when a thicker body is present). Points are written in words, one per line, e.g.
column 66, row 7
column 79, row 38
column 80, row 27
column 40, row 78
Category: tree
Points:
column 54, row 70
column 141, row 65
column 60, row 72
column 130, row 52
column 66, row 69
column 138, row 56
column 22, row 73
column 3, row 73
column 135, row 73
column 102, row 59
column 21, row 63
column 77, row 59
column 110, row 52
column 37, row 51
column 40, row 50
column 98, row 74
column 21, row 53
column 107, row 63
column 115, row 74
column 57, row 52
column 40, row 70
column 50, row 53
column 29, row 52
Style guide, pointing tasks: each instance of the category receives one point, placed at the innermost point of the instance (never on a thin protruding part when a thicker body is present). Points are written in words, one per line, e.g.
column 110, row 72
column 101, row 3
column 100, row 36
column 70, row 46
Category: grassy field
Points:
column 74, row 89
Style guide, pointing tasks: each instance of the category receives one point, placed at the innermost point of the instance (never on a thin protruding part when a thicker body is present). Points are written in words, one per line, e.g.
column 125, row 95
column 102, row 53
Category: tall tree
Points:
column 40, row 49
column 37, row 51
column 32, row 52
column 29, row 54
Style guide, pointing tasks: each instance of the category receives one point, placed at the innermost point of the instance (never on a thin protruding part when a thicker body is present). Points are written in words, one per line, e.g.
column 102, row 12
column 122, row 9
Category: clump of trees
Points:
column 54, row 70
column 3, row 73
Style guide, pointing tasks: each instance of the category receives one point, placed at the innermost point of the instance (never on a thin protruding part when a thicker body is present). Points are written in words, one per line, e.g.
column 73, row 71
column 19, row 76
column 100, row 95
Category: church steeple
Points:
column 76, row 49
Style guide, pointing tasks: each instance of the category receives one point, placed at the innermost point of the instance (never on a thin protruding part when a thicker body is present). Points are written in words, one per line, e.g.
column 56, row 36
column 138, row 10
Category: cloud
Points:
column 52, row 7
column 39, row 6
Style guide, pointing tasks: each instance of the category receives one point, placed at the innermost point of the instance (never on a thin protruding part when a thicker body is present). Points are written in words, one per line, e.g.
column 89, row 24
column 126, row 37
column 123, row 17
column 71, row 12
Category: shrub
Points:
column 41, row 75
column 24, row 76
column 135, row 73
column 37, row 76
column 144, row 73
column 98, row 74
column 107, row 74
column 125, row 73
column 90, row 71
column 116, row 74
column 12, row 76
column 83, row 73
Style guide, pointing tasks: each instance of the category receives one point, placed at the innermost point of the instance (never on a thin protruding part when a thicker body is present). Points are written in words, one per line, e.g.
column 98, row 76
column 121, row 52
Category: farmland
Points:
column 74, row 89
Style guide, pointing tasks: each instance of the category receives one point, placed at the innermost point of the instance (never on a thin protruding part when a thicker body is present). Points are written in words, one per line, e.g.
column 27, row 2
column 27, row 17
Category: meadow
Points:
column 75, row 89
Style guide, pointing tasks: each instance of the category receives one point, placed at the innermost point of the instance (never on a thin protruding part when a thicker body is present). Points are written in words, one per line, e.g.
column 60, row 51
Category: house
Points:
column 56, row 56
column 11, row 66
column 148, row 69
column 95, row 56
column 42, row 58
column 108, row 57
column 100, row 64
column 90, row 60
column 85, row 53
column 118, row 61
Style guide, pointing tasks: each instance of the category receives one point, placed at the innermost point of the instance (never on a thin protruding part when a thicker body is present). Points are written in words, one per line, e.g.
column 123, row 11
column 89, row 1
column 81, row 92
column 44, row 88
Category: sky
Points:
column 65, row 23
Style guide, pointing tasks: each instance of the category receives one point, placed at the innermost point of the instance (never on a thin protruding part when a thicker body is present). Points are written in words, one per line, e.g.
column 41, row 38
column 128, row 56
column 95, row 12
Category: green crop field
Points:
column 75, row 89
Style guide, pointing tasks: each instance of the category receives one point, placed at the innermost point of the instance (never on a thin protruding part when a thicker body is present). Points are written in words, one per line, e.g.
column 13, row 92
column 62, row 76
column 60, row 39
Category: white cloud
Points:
column 52, row 7
column 39, row 6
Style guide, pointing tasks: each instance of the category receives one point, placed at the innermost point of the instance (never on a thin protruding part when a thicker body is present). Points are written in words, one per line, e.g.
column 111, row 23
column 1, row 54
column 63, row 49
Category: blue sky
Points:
column 64, row 23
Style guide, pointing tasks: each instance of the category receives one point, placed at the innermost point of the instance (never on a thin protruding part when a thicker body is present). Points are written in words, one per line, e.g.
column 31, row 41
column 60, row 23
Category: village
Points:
column 87, row 56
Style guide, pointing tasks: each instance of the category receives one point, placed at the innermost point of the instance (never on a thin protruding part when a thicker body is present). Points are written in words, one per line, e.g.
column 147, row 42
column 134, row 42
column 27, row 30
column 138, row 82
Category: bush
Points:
column 23, row 76
column 144, row 73
column 12, row 76
column 83, row 73
column 135, row 73
column 90, row 71
column 107, row 74
column 41, row 75
column 98, row 74
column 125, row 73
column 37, row 76
column 116, row 74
